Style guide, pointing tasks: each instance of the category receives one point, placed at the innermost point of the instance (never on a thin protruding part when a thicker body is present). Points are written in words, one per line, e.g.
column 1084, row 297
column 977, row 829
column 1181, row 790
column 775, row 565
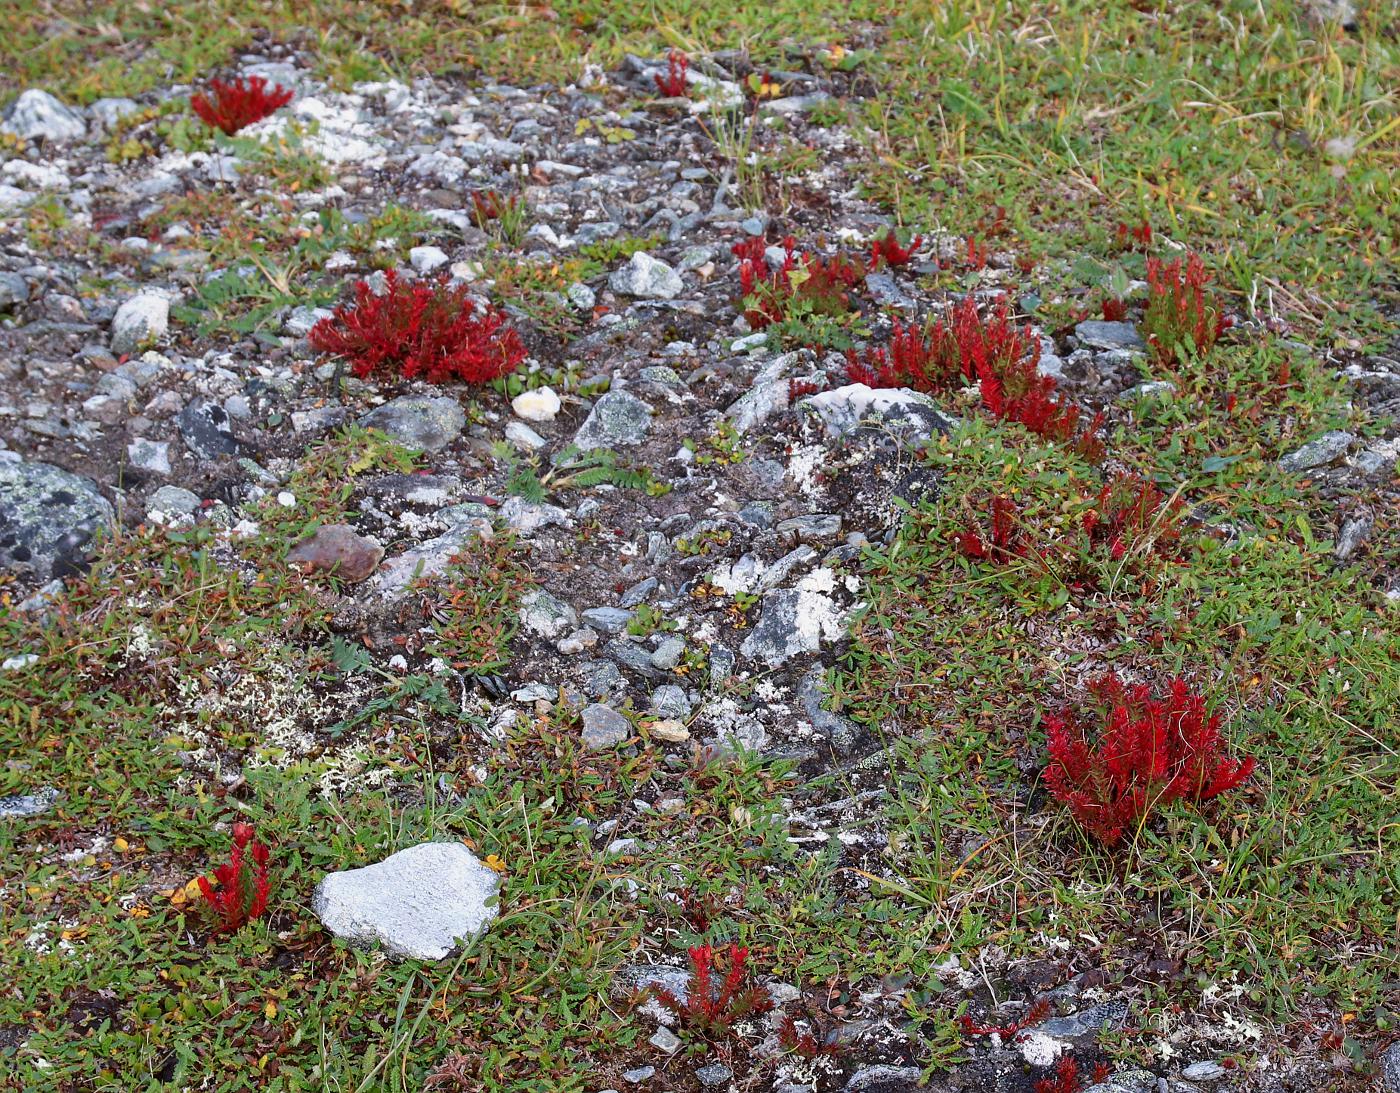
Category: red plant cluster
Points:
column 237, row 103
column 1034, row 1016
column 1130, row 511
column 1004, row 540
column 427, row 328
column 714, row 1003
column 1138, row 238
column 238, row 891
column 1180, row 312
column 887, row 249
column 1114, row 309
column 488, row 205
column 804, row 1044
column 977, row 254
column 999, row 356
column 673, row 84
column 1146, row 752
column 822, row 285
column 1067, row 1079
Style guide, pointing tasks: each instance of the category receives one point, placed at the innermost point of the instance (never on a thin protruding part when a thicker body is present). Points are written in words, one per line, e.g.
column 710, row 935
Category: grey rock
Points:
column 1390, row 1068
column 464, row 524
column 910, row 414
column 886, row 291
column 425, row 424
column 524, row 437
column 427, row 259
column 419, row 903
column 601, row 678
column 18, row 806
column 768, row 394
column 1128, row 1081
column 1354, row 532
column 544, row 614
column 1098, row 334
column 48, row 516
column 618, row 419
column 577, row 641
column 37, row 115
column 669, row 701
column 610, row 620
column 149, row 455
column 1327, row 448
column 603, row 727
column 647, row 278
column 668, row 654
column 1205, row 1071
column 639, row 593
column 665, row 1040
column 713, row 1075
column 14, row 290
column 1155, row 389
column 632, row 657
column 528, row 517
column 140, row 322
column 792, row 622
column 106, row 113
column 819, row 527
column 884, row 1079
column 1085, row 1022
column 207, row 430
column 842, row 732
column 299, row 323
column 173, row 501
column 638, row 1074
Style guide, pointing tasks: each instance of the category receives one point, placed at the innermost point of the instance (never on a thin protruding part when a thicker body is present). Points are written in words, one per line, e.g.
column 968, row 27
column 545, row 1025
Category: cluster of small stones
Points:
column 110, row 406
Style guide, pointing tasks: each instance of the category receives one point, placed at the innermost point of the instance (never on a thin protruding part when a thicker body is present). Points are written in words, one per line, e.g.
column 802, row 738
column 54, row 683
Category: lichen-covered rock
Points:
column 419, row 903
column 618, row 419
column 910, row 414
column 37, row 115
column 792, row 622
column 48, row 517
column 139, row 323
column 425, row 424
column 647, row 278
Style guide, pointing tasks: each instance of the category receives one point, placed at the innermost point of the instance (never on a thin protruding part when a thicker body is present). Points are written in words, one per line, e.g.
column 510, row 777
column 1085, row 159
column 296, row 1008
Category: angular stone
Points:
column 1327, row 448
column 37, row 115
column 618, row 419
column 647, row 278
column 172, row 501
column 792, row 622
column 817, row 528
column 603, row 727
column 610, row 620
column 1097, row 334
column 544, row 614
column 419, row 903
column 140, row 322
column 425, row 424
column 465, row 523
column 910, row 414
column 149, row 455
column 14, row 290
column 47, row 518
column 207, row 430
column 18, row 806
column 340, row 550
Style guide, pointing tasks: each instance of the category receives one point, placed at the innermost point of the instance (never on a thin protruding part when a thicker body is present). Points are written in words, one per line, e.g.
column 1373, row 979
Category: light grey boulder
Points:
column 37, row 115
column 909, row 414
column 1328, row 448
column 618, row 419
column 140, row 322
column 420, row 903
column 647, row 278
column 48, row 516
column 427, row 424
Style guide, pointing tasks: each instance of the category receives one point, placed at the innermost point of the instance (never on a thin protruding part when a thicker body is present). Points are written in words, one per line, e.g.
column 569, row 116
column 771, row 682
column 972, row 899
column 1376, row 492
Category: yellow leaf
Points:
column 270, row 1010
column 140, row 912
column 120, row 845
column 493, row 862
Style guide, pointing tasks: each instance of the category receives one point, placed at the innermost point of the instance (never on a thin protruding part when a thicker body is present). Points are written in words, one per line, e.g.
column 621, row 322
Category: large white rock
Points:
column 419, row 903
column 646, row 277
column 37, row 115
column 541, row 404
column 139, row 322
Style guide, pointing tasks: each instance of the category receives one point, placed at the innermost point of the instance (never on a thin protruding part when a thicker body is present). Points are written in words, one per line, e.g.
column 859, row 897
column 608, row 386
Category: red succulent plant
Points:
column 239, row 890
column 233, row 104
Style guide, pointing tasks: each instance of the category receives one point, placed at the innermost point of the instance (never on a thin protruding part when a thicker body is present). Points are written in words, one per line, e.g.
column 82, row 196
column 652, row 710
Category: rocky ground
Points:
column 673, row 509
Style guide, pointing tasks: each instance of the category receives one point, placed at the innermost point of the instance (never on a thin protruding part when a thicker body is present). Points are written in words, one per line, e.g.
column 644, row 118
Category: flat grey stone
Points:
column 1128, row 1081
column 18, row 806
column 139, row 323
column 37, row 115
column 609, row 620
column 149, row 455
column 1205, row 1071
column 668, row 654
column 47, row 518
column 647, row 278
column 419, row 903
column 1091, row 1020
column 1327, row 448
column 840, row 731
column 713, row 1075
column 639, row 592
column 1390, row 1068
column 603, row 727
column 1354, row 532
column 617, row 419
column 173, row 501
column 425, row 424
column 669, row 701
column 817, row 528
column 884, row 1079
column 665, row 1040
column 1098, row 334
